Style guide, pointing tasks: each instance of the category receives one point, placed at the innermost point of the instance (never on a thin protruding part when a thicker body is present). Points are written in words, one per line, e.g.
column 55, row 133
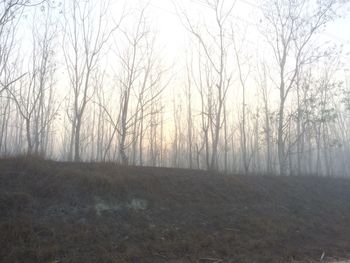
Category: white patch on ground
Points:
column 137, row 204
column 103, row 206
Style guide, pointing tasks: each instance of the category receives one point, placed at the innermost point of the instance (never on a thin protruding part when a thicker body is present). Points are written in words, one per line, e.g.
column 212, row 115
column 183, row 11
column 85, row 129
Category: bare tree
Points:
column 262, row 82
column 86, row 33
column 243, row 82
column 139, row 88
column 10, row 11
column 290, row 28
column 189, row 115
column 214, row 47
column 131, row 62
column 34, row 95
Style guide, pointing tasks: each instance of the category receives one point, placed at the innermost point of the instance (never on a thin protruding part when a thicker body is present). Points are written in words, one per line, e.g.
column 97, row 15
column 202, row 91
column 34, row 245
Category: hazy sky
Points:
column 173, row 41
column 163, row 14
column 247, row 16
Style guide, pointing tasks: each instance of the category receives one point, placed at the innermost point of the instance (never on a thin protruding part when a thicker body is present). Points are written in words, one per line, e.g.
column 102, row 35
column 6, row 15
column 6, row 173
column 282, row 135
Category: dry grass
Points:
column 66, row 212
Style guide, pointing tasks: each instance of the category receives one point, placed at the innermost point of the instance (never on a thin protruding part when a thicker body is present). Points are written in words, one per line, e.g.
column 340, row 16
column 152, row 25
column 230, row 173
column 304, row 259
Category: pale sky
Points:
column 172, row 32
column 174, row 39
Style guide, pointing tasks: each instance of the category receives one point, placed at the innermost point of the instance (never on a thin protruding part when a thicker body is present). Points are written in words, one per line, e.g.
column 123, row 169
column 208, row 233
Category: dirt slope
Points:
column 61, row 212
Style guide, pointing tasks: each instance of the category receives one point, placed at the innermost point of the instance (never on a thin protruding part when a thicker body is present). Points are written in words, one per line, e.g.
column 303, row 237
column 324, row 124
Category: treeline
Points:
column 89, row 81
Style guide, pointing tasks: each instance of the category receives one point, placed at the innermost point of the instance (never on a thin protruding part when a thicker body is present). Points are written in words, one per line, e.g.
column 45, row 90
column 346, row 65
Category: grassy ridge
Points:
column 66, row 212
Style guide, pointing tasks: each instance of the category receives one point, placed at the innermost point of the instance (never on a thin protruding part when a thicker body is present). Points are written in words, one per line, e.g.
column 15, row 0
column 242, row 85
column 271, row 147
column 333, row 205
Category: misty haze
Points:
column 174, row 131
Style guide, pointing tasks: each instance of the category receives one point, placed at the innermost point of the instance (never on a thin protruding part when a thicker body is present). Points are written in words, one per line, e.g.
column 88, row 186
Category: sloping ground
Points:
column 61, row 212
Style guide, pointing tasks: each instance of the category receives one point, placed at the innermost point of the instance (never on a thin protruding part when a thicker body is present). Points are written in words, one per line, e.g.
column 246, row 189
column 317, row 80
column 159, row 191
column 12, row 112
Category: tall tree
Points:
column 290, row 28
column 34, row 95
column 214, row 45
column 86, row 32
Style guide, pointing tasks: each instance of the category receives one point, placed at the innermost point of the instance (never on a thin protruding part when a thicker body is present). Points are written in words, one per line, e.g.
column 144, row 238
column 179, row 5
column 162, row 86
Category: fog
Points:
column 232, row 86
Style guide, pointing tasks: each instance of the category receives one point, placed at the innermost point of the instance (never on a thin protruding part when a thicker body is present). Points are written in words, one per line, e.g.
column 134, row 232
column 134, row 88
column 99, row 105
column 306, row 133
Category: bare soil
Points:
column 66, row 212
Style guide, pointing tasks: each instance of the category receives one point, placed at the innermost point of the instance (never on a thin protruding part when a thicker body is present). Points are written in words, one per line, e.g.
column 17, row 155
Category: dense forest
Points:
column 254, row 88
